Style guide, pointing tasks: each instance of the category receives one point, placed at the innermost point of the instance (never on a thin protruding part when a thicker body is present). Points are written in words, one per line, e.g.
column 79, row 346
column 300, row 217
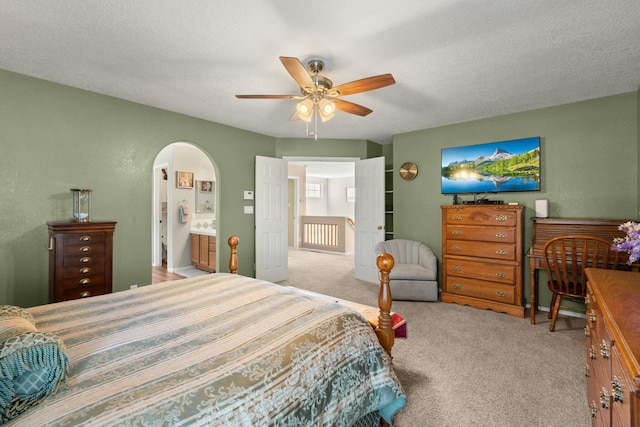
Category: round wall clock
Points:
column 408, row 171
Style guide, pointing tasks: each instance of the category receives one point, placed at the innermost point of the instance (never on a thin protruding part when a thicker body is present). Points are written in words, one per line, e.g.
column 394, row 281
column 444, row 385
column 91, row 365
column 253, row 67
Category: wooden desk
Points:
column 547, row 228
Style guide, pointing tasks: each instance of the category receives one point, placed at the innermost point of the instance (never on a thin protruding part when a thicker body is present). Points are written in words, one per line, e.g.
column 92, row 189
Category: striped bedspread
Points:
column 217, row 350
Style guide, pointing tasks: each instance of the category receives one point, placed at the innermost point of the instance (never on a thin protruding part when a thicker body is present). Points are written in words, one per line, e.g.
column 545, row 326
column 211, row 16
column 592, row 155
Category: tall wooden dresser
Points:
column 482, row 256
column 80, row 259
column 613, row 347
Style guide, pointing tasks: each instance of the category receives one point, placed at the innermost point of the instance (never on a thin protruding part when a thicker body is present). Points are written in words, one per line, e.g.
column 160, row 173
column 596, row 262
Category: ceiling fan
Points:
column 317, row 96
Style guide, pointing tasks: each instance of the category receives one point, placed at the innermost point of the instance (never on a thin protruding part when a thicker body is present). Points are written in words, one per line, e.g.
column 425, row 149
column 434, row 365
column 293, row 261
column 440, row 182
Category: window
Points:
column 314, row 190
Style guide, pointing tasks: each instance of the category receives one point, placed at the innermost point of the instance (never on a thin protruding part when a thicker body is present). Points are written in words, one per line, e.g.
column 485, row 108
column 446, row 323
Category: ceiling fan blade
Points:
column 298, row 72
column 352, row 108
column 363, row 85
column 267, row 96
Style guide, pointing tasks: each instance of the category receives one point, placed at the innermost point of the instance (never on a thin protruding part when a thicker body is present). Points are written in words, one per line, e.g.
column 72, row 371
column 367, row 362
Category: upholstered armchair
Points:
column 414, row 275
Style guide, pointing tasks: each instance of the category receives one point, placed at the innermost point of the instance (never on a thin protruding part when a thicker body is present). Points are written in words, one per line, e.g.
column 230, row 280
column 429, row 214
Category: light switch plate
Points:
column 248, row 195
column 248, row 209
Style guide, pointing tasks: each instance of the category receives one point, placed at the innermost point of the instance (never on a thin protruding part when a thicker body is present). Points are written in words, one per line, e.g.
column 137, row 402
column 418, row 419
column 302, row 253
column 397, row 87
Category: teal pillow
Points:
column 33, row 364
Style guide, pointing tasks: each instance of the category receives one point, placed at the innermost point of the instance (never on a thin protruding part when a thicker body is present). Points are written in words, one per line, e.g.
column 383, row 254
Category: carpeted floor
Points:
column 466, row 367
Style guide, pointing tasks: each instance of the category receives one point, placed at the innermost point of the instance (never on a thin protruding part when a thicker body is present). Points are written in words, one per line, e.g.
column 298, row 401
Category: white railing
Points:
column 327, row 233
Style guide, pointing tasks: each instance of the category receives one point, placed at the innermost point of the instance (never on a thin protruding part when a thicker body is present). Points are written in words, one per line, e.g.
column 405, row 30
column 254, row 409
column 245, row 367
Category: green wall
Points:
column 54, row 138
column 589, row 166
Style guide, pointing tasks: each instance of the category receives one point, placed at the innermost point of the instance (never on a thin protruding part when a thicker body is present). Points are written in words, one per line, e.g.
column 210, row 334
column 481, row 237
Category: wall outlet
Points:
column 133, row 286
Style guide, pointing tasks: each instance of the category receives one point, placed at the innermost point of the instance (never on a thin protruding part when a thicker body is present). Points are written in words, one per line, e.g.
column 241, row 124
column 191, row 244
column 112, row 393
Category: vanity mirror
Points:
column 206, row 197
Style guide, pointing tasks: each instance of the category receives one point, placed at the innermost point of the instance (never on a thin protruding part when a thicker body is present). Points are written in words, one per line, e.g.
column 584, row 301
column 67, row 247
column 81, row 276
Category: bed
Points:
column 219, row 349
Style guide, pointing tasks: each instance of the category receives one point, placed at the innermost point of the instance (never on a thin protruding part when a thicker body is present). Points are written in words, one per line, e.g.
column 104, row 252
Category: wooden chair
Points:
column 566, row 258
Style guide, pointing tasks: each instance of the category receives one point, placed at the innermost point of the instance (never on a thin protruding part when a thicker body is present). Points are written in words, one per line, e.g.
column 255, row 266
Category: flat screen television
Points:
column 492, row 168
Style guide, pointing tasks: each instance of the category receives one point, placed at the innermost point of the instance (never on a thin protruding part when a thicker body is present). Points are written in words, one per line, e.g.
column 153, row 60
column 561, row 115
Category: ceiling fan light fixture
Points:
column 305, row 109
column 326, row 109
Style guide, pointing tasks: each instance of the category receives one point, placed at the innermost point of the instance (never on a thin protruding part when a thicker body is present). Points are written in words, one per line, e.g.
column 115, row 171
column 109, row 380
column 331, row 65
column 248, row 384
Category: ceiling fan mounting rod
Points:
column 315, row 65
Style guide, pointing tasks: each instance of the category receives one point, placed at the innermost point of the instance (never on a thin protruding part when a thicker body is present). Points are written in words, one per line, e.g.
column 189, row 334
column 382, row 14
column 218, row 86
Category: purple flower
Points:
column 629, row 243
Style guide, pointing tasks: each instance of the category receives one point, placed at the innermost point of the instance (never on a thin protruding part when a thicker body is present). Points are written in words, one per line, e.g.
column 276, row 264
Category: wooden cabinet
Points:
column 613, row 347
column 203, row 252
column 80, row 259
column 482, row 257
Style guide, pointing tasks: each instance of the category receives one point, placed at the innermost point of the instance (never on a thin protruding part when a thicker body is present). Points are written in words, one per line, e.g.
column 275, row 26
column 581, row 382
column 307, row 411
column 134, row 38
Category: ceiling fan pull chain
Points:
column 315, row 133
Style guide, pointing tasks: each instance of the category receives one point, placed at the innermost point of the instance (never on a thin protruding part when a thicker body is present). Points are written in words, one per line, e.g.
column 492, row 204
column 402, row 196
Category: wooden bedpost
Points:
column 233, row 259
column 384, row 331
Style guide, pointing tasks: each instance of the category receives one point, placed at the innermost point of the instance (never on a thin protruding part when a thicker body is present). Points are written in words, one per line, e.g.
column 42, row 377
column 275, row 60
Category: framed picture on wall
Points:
column 205, row 186
column 184, row 179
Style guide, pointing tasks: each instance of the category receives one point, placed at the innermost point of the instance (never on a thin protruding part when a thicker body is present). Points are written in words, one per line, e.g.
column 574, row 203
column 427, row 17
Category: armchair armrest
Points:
column 427, row 258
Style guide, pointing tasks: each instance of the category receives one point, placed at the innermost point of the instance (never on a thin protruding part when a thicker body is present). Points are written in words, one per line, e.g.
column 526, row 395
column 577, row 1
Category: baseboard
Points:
column 563, row 312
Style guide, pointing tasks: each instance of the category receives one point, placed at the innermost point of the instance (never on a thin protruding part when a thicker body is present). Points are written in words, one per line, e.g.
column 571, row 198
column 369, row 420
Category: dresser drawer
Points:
column 79, row 260
column 84, row 292
column 471, row 215
column 599, row 415
column 502, row 273
column 623, row 392
column 83, row 282
column 88, row 248
column 79, row 239
column 84, row 270
column 480, row 289
column 486, row 234
column 501, row 251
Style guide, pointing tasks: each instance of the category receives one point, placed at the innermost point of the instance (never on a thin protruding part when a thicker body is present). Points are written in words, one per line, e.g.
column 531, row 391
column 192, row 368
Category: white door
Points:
column 369, row 216
column 271, row 196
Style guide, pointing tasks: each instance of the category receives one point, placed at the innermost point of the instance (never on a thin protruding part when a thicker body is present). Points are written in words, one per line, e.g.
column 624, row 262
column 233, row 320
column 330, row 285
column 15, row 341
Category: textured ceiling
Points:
column 453, row 60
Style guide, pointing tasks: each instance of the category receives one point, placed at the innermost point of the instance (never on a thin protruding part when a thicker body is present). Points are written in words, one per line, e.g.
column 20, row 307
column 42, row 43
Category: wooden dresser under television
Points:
column 482, row 256
column 613, row 347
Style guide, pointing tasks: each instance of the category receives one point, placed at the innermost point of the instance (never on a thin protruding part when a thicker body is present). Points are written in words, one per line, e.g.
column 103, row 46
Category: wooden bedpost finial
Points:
column 385, row 262
column 233, row 259
column 384, row 331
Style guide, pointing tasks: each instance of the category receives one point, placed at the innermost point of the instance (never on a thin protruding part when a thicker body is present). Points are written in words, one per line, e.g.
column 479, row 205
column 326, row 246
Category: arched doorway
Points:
column 197, row 197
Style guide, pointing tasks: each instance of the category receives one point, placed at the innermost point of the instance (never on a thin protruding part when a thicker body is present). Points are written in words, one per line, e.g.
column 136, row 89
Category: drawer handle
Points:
column 587, row 371
column 617, row 392
column 85, row 270
column 592, row 316
column 84, row 281
column 501, row 294
column 457, row 268
column 85, row 294
column 501, row 235
column 594, row 409
column 604, row 349
column 85, row 248
column 85, row 259
column 587, row 331
column 604, row 398
column 456, row 248
column 456, row 217
column 457, row 286
column 501, row 274
column 592, row 352
column 501, row 252
column 502, row 218
column 85, row 238
column 457, row 233
column 587, row 300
